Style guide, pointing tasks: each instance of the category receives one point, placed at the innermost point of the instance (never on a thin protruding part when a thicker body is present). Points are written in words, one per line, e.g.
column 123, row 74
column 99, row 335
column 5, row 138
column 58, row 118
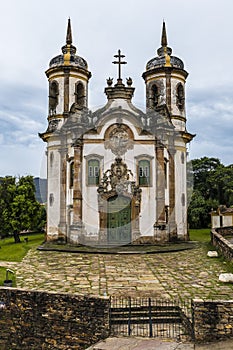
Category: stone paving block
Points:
column 163, row 275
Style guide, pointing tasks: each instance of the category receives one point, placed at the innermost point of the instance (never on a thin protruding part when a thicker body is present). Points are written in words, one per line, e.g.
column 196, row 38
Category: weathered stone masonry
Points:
column 213, row 320
column 221, row 243
column 33, row 320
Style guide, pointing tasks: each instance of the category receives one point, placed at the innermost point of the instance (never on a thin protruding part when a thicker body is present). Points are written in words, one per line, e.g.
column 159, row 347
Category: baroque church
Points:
column 116, row 175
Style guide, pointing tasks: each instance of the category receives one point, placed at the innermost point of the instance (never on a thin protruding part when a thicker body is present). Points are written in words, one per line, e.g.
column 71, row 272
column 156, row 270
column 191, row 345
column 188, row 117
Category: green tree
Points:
column 26, row 211
column 7, row 191
column 203, row 171
column 213, row 185
column 19, row 208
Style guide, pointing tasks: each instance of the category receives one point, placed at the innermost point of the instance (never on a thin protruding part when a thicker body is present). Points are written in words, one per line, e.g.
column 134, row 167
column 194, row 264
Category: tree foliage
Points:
column 19, row 209
column 212, row 186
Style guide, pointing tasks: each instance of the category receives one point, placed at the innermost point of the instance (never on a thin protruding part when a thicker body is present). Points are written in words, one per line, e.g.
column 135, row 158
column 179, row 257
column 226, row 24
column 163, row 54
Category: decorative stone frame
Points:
column 154, row 100
column 180, row 96
column 53, row 96
column 119, row 186
column 103, row 215
column 80, row 96
column 148, row 158
column 94, row 157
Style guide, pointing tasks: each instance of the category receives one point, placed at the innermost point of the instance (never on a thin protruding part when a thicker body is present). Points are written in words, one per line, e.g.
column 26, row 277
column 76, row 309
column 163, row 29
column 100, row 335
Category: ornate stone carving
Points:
column 119, row 141
column 118, row 181
column 53, row 125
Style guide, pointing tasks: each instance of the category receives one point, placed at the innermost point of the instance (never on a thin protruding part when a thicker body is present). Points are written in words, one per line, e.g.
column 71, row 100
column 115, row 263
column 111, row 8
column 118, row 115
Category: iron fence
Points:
column 148, row 317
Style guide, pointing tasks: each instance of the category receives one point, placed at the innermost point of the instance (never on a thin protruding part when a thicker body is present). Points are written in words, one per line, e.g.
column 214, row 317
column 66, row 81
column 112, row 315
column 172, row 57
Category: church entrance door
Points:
column 119, row 220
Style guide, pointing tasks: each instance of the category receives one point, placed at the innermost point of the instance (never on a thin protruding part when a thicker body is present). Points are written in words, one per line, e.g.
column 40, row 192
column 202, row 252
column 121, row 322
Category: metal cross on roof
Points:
column 119, row 62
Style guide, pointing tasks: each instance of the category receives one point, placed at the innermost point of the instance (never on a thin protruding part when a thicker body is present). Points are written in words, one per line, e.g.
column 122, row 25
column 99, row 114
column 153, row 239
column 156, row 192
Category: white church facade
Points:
column 117, row 175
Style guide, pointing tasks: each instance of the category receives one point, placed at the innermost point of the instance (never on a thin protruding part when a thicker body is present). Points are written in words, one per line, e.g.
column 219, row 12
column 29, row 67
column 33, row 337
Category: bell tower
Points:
column 165, row 80
column 68, row 78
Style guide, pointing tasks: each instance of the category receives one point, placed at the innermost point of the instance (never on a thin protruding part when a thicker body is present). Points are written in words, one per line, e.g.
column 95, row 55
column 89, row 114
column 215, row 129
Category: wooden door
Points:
column 119, row 220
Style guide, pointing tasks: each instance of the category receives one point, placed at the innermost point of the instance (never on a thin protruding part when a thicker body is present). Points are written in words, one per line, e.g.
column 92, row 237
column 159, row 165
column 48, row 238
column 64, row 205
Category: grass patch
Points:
column 11, row 251
column 203, row 236
column 200, row 235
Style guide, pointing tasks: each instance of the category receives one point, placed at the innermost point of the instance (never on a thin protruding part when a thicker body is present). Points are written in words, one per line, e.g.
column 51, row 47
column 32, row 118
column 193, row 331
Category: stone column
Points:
column 160, row 185
column 160, row 231
column 168, row 89
column 77, row 228
column 66, row 90
column 77, row 186
column 62, row 226
column 102, row 205
column 172, row 211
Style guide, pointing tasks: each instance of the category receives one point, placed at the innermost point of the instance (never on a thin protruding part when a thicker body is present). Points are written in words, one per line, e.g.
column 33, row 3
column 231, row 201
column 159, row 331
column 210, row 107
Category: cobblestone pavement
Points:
column 184, row 274
column 179, row 275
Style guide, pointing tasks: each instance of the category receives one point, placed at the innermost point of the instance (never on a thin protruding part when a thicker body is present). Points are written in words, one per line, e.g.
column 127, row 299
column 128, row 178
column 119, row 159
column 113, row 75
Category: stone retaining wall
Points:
column 221, row 243
column 213, row 320
column 225, row 231
column 33, row 320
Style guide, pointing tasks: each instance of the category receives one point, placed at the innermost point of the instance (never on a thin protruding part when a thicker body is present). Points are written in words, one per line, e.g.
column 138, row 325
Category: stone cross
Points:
column 119, row 62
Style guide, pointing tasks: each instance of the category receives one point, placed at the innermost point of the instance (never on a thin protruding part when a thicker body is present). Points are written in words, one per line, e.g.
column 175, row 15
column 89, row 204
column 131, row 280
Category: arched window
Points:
column 80, row 94
column 144, row 172
column 93, row 172
column 53, row 96
column 154, row 96
column 180, row 96
column 71, row 174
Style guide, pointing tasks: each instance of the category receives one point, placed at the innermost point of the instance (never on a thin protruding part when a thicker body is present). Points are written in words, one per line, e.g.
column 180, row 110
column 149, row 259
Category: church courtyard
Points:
column 182, row 275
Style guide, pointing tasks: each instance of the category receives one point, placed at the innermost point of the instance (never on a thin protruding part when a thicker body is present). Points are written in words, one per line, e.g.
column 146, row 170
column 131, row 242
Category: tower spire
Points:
column 164, row 36
column 69, row 33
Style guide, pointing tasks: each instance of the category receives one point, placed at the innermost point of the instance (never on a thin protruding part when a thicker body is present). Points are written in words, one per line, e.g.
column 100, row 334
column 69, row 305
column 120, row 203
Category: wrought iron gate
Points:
column 147, row 317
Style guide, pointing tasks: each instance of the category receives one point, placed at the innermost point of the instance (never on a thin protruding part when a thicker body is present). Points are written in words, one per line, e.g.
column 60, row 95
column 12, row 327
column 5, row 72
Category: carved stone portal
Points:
column 117, row 187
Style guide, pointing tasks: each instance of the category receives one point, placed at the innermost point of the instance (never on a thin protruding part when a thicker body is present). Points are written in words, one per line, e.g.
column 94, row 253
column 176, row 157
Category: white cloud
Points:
column 31, row 33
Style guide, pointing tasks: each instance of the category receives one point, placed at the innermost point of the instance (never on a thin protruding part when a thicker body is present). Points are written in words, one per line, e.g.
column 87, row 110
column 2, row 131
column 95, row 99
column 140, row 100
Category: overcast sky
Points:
column 32, row 32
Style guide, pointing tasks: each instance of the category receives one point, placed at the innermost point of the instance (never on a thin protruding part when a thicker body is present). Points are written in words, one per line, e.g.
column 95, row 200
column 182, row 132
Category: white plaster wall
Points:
column 90, row 196
column 179, row 125
column 53, row 210
column 166, row 155
column 215, row 221
column 227, row 220
column 180, row 189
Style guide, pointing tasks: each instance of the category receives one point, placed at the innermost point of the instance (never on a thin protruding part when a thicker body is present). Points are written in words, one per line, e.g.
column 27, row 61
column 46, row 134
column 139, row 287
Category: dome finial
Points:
column 164, row 36
column 69, row 33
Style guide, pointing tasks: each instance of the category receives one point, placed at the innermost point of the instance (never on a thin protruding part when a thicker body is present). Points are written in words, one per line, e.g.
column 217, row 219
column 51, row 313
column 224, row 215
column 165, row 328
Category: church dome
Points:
column 74, row 61
column 164, row 58
column 69, row 56
column 160, row 61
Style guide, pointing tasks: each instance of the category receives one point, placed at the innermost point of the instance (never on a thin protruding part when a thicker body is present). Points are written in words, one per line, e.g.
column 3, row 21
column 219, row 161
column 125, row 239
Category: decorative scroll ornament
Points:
column 119, row 141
